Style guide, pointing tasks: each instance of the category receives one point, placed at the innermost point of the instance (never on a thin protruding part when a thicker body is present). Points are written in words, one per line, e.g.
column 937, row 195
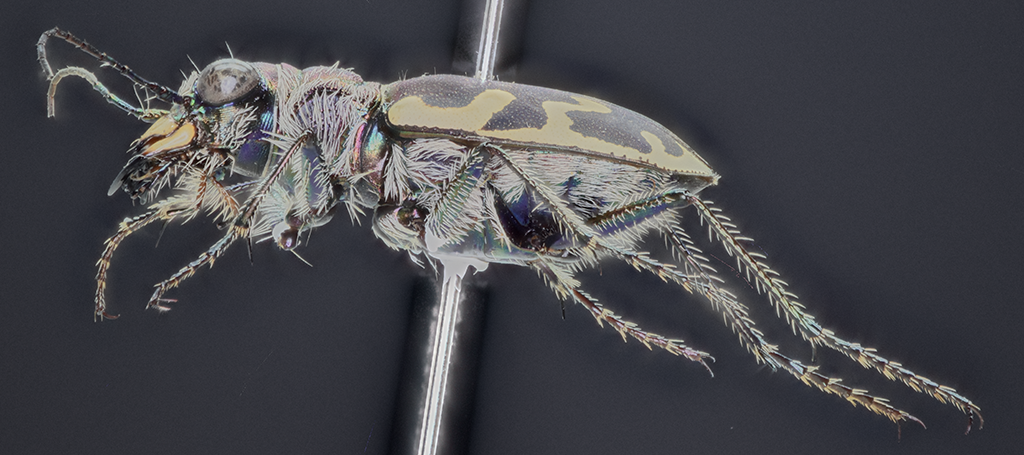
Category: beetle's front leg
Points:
column 126, row 228
column 208, row 256
column 238, row 229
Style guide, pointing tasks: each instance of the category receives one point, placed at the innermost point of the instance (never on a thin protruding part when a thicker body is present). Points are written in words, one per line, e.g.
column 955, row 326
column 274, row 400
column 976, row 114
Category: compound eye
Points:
column 226, row 81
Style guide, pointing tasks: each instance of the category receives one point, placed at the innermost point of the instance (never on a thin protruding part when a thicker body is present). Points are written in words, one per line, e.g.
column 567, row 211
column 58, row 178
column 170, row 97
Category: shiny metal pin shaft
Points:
column 443, row 337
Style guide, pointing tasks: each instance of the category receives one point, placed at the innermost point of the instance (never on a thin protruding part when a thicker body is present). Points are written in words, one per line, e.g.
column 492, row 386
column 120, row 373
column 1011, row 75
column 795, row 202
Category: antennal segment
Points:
column 161, row 92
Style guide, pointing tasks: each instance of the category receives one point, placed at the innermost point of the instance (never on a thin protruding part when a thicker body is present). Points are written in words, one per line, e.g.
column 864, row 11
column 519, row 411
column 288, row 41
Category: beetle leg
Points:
column 734, row 312
column 767, row 280
column 203, row 188
column 450, row 221
column 239, row 228
column 564, row 285
column 623, row 218
column 737, row 317
column 207, row 257
column 126, row 228
column 218, row 199
column 568, row 220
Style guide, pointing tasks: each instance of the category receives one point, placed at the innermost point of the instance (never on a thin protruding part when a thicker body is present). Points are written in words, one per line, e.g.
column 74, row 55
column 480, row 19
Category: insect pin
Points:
column 450, row 166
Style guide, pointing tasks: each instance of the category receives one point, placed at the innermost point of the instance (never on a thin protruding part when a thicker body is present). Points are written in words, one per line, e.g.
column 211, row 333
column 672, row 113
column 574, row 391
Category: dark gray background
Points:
column 873, row 150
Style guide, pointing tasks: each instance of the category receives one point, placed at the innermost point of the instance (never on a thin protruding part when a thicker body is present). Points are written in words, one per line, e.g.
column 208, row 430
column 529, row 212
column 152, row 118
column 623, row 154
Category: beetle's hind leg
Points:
column 565, row 285
column 696, row 278
column 705, row 283
column 767, row 280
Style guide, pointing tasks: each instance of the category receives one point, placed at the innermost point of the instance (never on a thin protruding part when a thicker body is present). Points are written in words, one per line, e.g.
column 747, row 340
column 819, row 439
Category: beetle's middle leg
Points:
column 457, row 200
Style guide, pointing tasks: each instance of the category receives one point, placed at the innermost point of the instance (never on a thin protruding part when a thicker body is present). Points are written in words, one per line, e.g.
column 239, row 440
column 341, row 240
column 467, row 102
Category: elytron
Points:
column 449, row 167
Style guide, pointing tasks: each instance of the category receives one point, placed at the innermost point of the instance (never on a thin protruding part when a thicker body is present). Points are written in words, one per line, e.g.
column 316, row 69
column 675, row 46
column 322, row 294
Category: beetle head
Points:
column 217, row 129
